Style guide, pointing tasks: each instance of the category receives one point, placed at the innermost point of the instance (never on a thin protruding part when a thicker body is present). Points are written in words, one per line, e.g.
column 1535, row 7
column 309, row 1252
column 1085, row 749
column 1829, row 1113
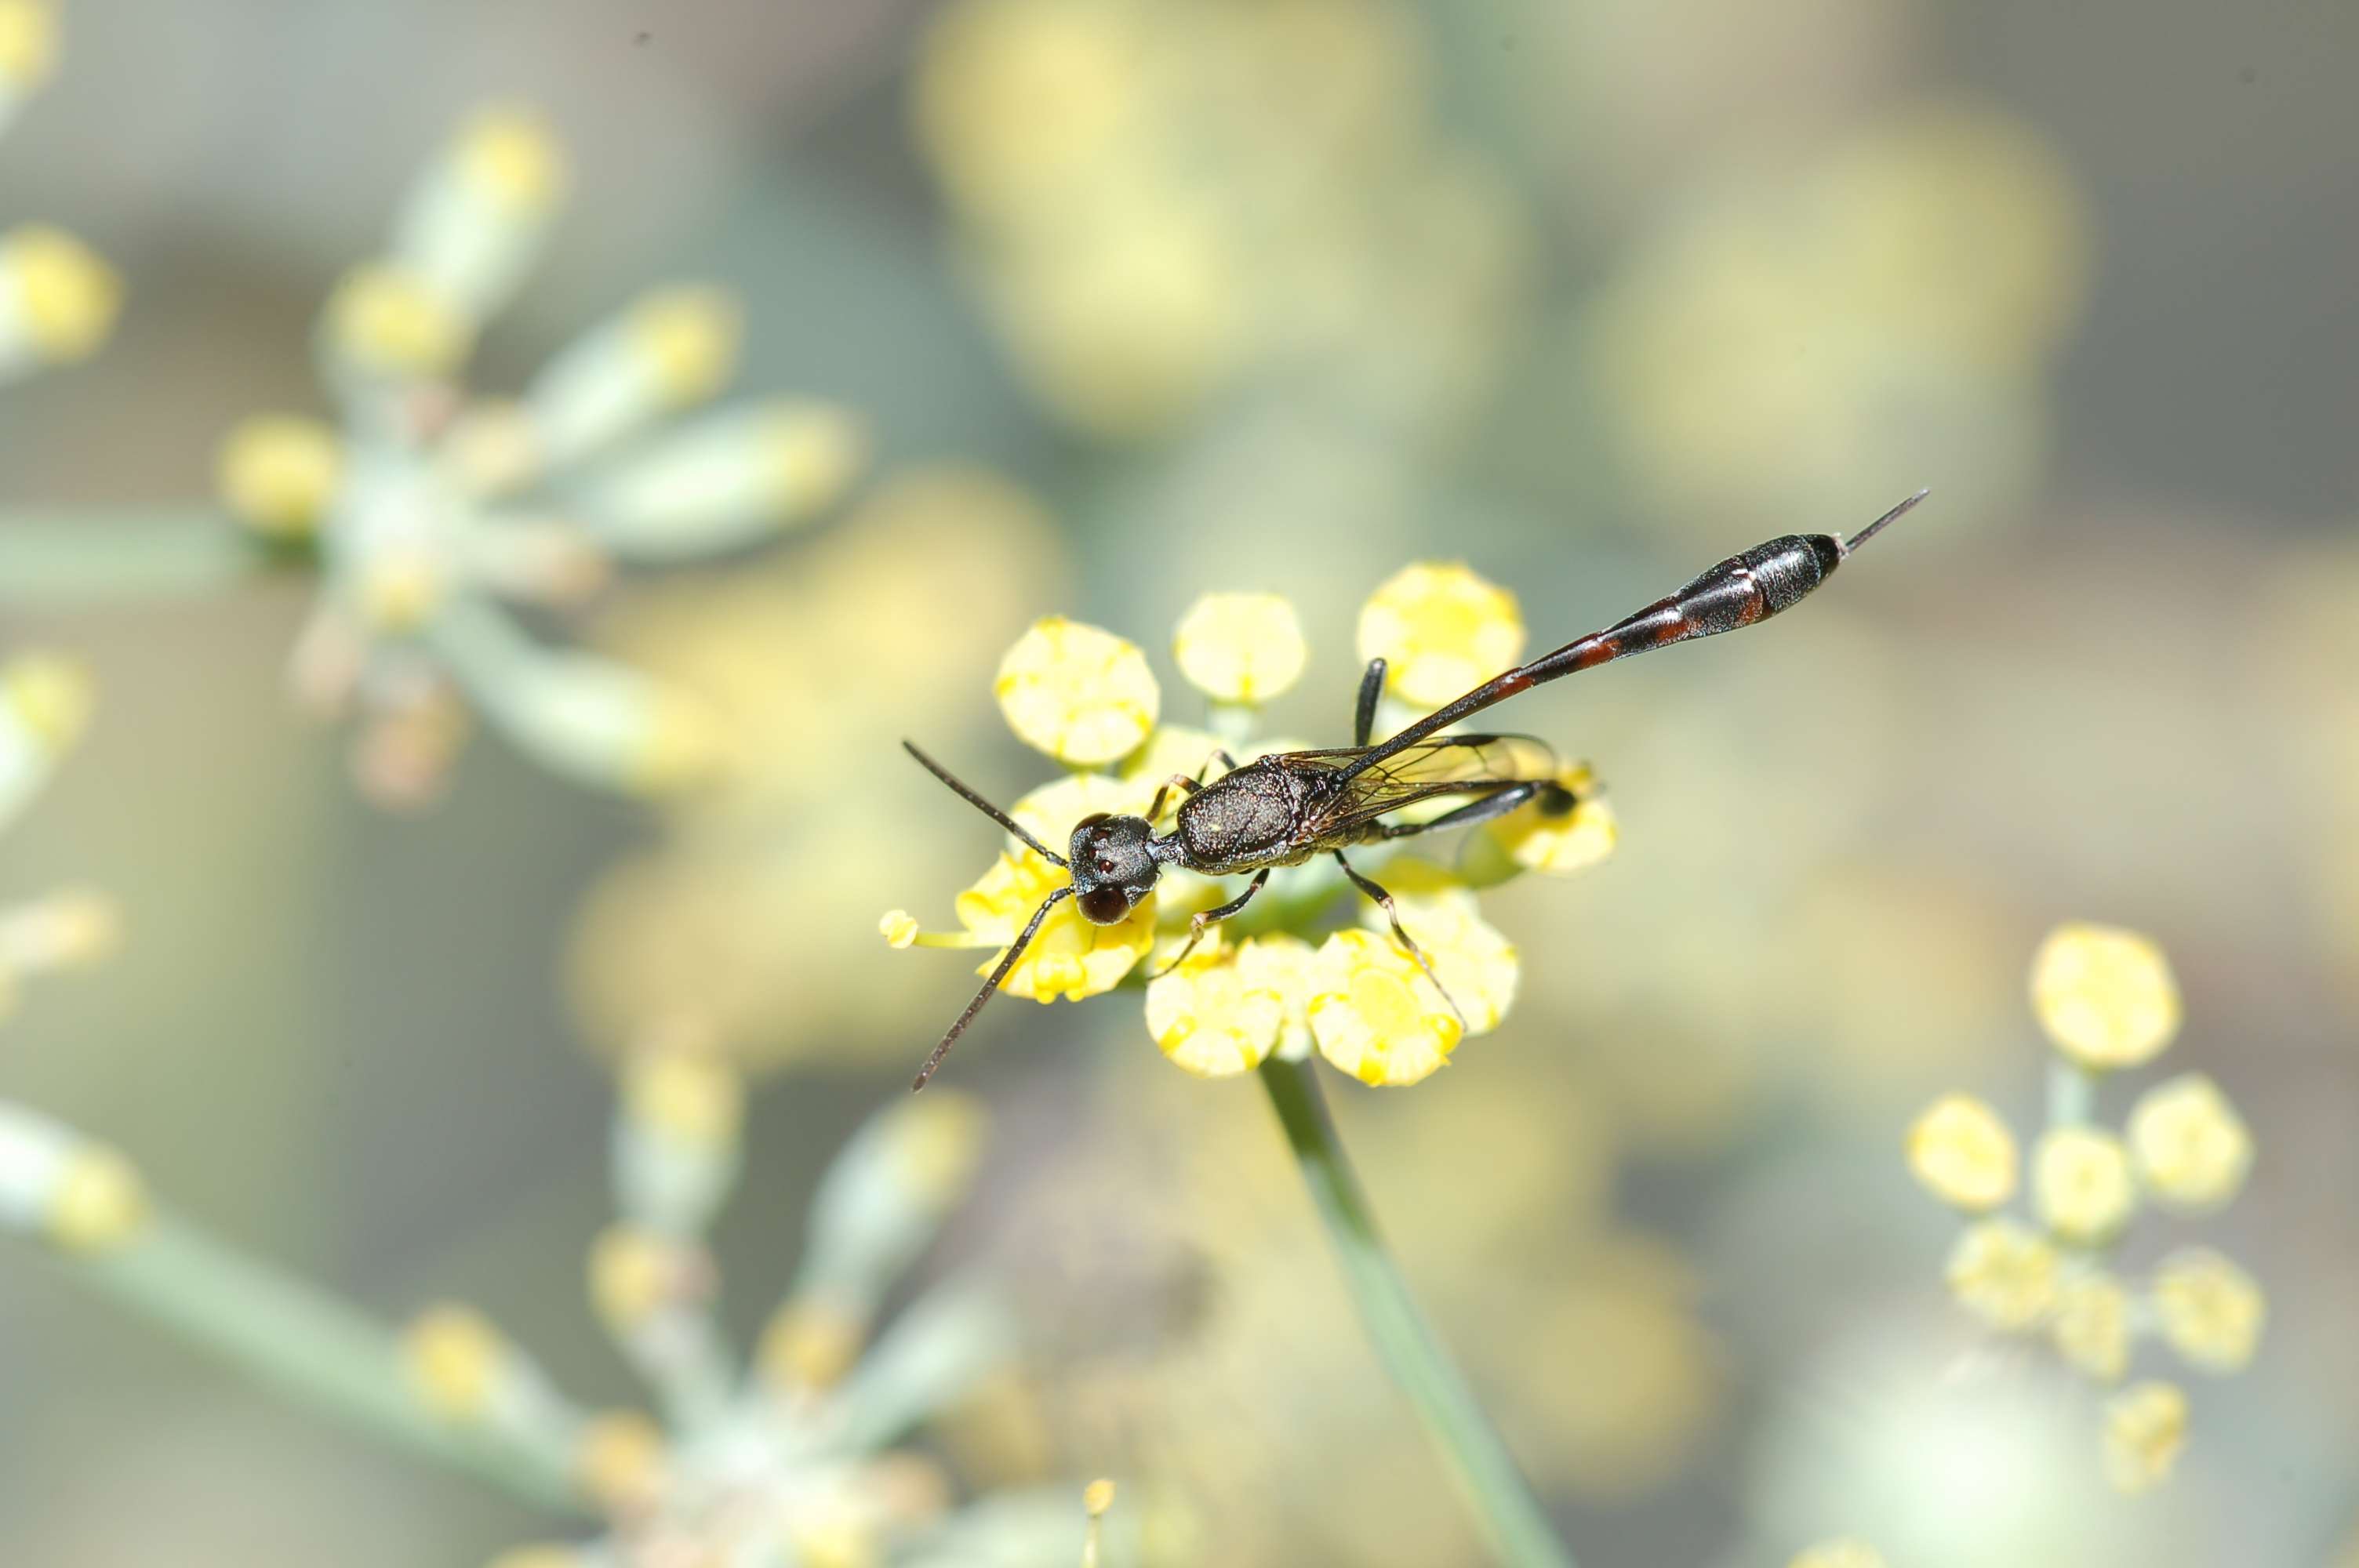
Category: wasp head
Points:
column 1113, row 865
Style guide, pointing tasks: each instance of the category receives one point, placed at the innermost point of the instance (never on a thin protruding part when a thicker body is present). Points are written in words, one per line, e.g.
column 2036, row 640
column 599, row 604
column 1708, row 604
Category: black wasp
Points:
column 1280, row 810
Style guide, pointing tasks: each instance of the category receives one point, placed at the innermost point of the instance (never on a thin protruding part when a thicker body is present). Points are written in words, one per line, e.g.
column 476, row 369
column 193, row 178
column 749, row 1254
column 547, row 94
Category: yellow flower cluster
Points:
column 1128, row 183
column 2107, row 1000
column 1277, row 979
column 431, row 513
column 806, row 1474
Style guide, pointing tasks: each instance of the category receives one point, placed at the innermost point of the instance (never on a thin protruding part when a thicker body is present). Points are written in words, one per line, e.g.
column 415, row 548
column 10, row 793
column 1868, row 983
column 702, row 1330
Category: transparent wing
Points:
column 1445, row 765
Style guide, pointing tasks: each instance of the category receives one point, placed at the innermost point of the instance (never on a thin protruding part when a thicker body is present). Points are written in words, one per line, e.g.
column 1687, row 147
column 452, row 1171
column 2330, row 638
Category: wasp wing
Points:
column 1445, row 765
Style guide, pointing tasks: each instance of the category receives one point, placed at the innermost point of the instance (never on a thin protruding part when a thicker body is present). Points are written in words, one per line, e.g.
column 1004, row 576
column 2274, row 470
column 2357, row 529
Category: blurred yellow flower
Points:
column 1128, row 186
column 620, row 1457
column 1752, row 344
column 29, row 44
column 2146, row 1427
column 2081, row 1184
column 2193, row 1148
column 2211, row 1310
column 2105, row 996
column 99, row 1201
column 48, row 698
column 433, row 515
column 1079, row 694
column 1240, row 647
column 277, row 474
column 2004, row 1273
column 457, row 1361
column 1839, row 1554
column 1442, row 630
column 2092, row 1326
column 1213, row 1015
column 1964, row 1153
column 685, row 1096
column 1375, row 1015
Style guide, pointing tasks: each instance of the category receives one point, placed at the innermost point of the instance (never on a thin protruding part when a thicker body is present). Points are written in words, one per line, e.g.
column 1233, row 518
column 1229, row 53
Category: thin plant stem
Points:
column 311, row 1347
column 55, row 562
column 1512, row 1520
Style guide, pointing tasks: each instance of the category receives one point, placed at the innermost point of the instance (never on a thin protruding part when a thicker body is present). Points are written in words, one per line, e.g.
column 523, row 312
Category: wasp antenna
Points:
column 982, row 805
column 1870, row 532
column 998, row 973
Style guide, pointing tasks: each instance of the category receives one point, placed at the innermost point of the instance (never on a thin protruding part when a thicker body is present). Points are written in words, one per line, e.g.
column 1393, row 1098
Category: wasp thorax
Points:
column 1113, row 865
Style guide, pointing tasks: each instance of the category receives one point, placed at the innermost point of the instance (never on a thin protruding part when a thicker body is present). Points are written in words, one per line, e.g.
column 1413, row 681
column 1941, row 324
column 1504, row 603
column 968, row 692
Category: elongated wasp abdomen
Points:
column 1746, row 587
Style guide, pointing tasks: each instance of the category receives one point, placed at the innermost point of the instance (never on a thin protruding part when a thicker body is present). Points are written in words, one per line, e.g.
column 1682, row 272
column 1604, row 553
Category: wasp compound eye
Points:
column 1105, row 905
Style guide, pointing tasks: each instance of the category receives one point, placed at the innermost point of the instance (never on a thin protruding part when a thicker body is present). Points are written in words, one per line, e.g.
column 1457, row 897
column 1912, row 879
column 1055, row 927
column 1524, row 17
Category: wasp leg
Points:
column 1188, row 786
column 1179, row 782
column 1555, row 800
column 1408, row 945
column 1363, row 717
column 1197, row 923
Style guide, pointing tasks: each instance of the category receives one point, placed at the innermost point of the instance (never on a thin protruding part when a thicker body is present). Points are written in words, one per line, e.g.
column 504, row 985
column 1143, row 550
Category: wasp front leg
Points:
column 1198, row 923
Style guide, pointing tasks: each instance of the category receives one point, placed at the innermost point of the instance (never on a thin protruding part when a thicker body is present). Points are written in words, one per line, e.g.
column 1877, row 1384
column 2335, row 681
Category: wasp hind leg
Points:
column 1409, row 945
column 1555, row 800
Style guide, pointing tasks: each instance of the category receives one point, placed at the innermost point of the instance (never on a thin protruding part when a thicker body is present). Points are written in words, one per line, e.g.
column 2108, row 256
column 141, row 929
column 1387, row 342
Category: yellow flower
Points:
column 687, row 338
column 49, row 696
column 1441, row 629
column 1373, row 1014
column 2092, row 1327
column 278, row 473
column 458, row 1361
column 2146, row 1426
column 2080, row 1183
column 1241, row 647
column 898, row 927
column 1071, row 958
column 65, row 297
column 690, row 1098
column 2193, row 1148
column 2105, row 996
column 1215, row 1017
column 386, row 320
column 1082, row 695
column 1049, row 812
column 634, row 1274
column 808, row 1345
column 28, row 44
column 2212, row 1311
column 2004, row 1273
column 1963, row 1152
column 1561, row 845
column 620, row 1458
column 99, row 1202
column 510, row 154
column 1286, row 965
column 1839, row 1554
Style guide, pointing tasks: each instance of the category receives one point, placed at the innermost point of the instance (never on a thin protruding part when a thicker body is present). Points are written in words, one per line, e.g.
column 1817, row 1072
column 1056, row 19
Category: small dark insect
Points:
column 1283, row 809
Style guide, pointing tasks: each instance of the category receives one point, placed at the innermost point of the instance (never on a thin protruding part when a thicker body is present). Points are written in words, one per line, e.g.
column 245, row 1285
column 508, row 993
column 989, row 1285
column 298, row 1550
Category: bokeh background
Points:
column 1142, row 300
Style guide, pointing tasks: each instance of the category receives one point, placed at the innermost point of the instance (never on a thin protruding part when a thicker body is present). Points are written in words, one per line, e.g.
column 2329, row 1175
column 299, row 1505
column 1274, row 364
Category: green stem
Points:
column 311, row 1347
column 1517, row 1528
column 2071, row 1093
column 101, row 557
